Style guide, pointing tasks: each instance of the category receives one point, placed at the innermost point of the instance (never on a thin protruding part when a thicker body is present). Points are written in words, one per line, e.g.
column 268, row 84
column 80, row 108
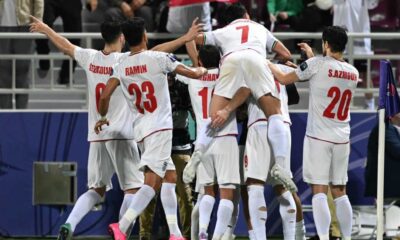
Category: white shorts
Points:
column 200, row 174
column 245, row 68
column 324, row 162
column 258, row 155
column 156, row 152
column 221, row 162
column 114, row 156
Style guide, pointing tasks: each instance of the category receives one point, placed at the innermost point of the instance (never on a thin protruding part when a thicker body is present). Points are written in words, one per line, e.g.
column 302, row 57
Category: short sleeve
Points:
column 209, row 38
column 183, row 79
column 83, row 56
column 308, row 68
column 167, row 61
column 271, row 40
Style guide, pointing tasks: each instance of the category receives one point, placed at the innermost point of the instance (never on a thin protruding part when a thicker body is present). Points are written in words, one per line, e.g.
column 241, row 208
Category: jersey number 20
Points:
column 344, row 104
column 146, row 88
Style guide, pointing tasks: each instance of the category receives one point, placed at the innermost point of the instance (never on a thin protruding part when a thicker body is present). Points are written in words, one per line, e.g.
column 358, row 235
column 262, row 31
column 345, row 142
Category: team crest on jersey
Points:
column 303, row 66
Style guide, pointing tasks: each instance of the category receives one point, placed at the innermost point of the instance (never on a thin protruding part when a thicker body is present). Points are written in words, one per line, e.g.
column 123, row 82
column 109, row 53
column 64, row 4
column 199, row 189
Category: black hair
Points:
column 133, row 30
column 110, row 31
column 209, row 56
column 234, row 11
column 336, row 37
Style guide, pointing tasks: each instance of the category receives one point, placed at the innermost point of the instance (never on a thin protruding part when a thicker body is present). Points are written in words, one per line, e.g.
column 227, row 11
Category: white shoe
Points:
column 282, row 176
column 228, row 237
column 190, row 170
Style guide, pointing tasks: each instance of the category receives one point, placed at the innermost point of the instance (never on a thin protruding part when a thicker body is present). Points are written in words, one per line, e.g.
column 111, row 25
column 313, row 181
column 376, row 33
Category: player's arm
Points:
column 238, row 99
column 59, row 41
column 171, row 46
column 282, row 53
column 195, row 73
column 104, row 102
column 192, row 52
column 283, row 78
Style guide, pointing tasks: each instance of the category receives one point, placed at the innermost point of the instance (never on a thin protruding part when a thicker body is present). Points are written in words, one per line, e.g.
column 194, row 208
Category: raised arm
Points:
column 59, row 41
column 171, row 46
column 104, row 101
column 190, row 72
column 192, row 52
column 238, row 99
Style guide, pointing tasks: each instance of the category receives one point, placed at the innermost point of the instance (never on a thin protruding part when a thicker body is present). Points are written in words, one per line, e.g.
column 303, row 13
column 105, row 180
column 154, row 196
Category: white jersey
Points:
column 200, row 91
column 332, row 85
column 98, row 68
column 256, row 114
column 143, row 78
column 239, row 35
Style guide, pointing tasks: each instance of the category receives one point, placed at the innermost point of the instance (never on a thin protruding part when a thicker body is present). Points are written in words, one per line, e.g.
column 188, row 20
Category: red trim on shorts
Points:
column 227, row 135
column 326, row 140
column 264, row 120
column 111, row 139
column 160, row 130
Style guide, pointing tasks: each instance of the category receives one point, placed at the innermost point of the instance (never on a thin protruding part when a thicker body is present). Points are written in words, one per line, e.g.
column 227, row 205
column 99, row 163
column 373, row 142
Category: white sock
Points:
column 235, row 215
column 278, row 138
column 84, row 204
column 206, row 207
column 170, row 205
column 194, row 229
column 257, row 210
column 344, row 214
column 300, row 230
column 322, row 216
column 205, row 137
column 125, row 204
column 287, row 209
column 139, row 202
column 224, row 216
column 251, row 235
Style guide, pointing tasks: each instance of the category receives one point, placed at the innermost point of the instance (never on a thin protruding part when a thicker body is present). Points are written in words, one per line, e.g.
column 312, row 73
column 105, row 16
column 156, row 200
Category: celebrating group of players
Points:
column 129, row 109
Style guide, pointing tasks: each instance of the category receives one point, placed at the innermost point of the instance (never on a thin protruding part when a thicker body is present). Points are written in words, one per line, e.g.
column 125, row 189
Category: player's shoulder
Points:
column 351, row 67
column 87, row 51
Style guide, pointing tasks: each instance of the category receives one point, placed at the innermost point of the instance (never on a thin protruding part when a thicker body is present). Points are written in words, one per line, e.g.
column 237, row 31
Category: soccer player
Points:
column 114, row 150
column 326, row 144
column 143, row 79
column 215, row 162
column 243, row 44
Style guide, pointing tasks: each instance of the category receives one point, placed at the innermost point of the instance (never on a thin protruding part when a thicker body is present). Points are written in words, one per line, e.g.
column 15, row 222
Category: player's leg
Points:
column 344, row 212
column 228, row 235
column 125, row 159
column 245, row 200
column 300, row 226
column 100, row 171
column 194, row 228
column 287, row 210
column 316, row 172
column 226, row 164
column 156, row 152
column 258, row 163
column 205, row 209
column 169, row 202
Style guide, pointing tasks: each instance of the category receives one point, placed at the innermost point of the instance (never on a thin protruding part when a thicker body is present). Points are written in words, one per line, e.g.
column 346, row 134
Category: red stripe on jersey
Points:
column 326, row 140
column 160, row 130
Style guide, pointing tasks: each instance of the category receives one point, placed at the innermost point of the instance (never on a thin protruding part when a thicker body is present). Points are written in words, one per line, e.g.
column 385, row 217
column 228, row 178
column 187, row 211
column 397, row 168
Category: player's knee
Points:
column 338, row 191
column 131, row 190
column 170, row 176
column 101, row 191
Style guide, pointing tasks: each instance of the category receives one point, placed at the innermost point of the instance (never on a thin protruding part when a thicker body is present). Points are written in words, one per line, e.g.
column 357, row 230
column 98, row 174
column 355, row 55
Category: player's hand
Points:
column 37, row 25
column 307, row 49
column 99, row 124
column 126, row 10
column 290, row 64
column 283, row 15
column 219, row 119
column 93, row 5
column 194, row 30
